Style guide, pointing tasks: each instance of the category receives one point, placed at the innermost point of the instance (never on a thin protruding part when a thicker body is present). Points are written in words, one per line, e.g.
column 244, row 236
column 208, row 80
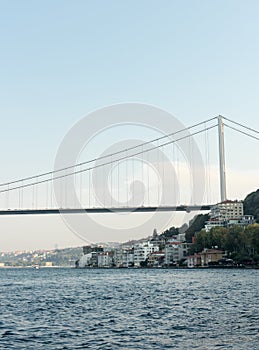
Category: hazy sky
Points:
column 61, row 60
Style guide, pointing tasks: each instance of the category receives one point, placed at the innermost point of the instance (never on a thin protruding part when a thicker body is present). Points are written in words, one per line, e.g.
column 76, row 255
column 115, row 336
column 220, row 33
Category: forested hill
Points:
column 251, row 205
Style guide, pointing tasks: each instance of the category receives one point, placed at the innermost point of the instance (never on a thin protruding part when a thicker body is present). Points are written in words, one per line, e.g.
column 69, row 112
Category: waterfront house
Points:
column 175, row 251
column 205, row 258
column 194, row 260
column 105, row 259
column 210, row 256
column 156, row 259
column 142, row 251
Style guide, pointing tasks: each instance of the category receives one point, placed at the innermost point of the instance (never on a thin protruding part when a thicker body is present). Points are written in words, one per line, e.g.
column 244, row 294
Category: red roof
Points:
column 173, row 243
column 211, row 251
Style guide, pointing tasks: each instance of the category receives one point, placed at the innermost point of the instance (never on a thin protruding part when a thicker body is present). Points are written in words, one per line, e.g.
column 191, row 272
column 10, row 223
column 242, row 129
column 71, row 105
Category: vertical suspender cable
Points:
column 209, row 170
column 178, row 171
column 111, row 182
column 133, row 182
column 7, row 197
column 127, row 179
column 51, row 194
column 118, row 189
column 47, row 194
column 147, row 167
column 163, row 187
column 80, row 186
column 158, row 175
column 65, row 189
column 174, row 176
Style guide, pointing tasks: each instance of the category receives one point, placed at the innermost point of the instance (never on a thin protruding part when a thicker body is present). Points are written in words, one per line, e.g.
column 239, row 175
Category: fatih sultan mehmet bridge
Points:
column 89, row 186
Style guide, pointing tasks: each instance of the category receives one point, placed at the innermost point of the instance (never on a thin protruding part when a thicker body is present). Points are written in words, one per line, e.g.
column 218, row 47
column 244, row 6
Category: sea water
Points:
column 66, row 308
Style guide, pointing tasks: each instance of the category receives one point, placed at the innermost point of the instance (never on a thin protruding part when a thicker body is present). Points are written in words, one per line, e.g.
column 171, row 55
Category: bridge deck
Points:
column 104, row 210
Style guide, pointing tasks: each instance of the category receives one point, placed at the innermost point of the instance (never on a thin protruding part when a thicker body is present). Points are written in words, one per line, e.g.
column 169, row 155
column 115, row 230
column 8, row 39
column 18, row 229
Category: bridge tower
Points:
column 222, row 165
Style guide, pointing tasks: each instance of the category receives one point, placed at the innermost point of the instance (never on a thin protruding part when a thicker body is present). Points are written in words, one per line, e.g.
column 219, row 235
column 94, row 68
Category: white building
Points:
column 243, row 221
column 128, row 258
column 88, row 260
column 175, row 251
column 227, row 210
column 124, row 257
column 156, row 259
column 142, row 251
column 180, row 237
column 214, row 223
column 105, row 259
column 226, row 214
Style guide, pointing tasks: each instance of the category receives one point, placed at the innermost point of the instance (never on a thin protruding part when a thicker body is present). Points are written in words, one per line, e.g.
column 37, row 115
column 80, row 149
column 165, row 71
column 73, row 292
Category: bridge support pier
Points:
column 222, row 165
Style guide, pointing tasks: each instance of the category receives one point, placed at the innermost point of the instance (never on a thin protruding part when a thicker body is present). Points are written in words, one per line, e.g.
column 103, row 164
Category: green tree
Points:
column 172, row 231
column 251, row 205
column 216, row 237
column 197, row 225
column 235, row 240
column 252, row 234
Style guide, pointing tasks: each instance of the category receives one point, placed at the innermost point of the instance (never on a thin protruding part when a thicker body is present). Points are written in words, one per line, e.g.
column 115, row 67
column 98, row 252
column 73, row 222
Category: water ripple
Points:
column 128, row 309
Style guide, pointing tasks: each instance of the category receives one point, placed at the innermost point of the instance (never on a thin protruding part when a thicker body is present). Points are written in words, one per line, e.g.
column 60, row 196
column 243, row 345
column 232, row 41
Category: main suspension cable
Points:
column 242, row 132
column 104, row 156
column 243, row 126
column 106, row 163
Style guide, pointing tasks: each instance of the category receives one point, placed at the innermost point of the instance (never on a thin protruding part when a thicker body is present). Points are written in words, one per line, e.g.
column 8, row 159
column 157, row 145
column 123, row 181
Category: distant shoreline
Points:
column 137, row 268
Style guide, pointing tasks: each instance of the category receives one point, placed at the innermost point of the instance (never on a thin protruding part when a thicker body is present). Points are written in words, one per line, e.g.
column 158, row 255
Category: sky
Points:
column 62, row 60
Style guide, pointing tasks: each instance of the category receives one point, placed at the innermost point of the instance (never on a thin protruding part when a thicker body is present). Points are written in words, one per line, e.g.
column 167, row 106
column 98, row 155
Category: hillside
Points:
column 251, row 205
column 58, row 257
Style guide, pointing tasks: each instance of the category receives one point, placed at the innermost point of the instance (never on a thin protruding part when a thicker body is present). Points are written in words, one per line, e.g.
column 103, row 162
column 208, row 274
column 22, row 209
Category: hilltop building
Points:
column 226, row 214
column 92, row 248
column 227, row 210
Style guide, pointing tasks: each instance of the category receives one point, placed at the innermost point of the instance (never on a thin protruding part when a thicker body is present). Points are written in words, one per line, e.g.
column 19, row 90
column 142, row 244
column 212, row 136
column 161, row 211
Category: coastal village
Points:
column 228, row 236
column 173, row 250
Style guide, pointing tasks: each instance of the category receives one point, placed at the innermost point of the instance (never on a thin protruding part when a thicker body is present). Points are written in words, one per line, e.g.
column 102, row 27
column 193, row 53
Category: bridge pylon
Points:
column 222, row 164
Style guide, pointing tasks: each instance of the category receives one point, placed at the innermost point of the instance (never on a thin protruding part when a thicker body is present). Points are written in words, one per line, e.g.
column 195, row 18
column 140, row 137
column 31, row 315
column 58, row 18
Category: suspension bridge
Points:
column 144, row 177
